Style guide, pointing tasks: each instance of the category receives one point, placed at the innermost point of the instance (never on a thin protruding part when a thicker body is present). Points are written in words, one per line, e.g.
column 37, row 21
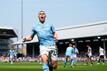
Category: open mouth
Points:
column 42, row 17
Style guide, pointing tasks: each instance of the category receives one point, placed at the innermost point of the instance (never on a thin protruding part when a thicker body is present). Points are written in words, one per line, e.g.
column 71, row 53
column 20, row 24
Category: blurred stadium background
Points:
column 94, row 34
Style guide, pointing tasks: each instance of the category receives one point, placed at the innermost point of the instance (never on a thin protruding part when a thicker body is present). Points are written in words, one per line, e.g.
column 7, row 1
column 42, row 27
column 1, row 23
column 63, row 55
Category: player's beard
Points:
column 42, row 19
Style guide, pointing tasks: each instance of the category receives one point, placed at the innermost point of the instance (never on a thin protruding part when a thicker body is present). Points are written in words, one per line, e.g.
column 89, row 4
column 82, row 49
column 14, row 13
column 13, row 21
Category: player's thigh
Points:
column 44, row 58
column 44, row 53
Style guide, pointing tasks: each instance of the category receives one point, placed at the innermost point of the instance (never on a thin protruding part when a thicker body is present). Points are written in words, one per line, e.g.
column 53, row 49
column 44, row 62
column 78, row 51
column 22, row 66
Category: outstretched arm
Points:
column 30, row 37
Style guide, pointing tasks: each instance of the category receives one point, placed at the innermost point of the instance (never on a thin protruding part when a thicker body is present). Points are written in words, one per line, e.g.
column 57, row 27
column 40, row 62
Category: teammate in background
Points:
column 74, row 56
column 12, row 55
column 101, row 55
column 89, row 55
column 68, row 54
column 47, row 36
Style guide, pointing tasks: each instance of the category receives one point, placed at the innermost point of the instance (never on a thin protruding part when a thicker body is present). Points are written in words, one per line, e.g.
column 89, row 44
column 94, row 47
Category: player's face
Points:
column 42, row 16
column 70, row 45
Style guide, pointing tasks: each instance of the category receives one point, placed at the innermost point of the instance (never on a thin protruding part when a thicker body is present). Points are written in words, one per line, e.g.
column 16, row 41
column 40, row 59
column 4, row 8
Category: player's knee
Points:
column 54, row 64
column 44, row 58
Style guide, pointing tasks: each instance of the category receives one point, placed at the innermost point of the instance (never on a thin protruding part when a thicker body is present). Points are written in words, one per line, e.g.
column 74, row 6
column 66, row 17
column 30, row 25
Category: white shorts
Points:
column 44, row 50
column 11, row 57
column 73, row 56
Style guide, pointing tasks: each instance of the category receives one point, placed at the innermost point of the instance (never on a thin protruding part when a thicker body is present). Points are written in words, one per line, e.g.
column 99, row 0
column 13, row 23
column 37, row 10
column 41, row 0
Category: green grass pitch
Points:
column 34, row 66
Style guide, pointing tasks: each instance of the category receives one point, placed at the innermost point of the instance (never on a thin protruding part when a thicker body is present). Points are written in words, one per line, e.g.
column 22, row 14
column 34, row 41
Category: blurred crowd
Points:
column 37, row 59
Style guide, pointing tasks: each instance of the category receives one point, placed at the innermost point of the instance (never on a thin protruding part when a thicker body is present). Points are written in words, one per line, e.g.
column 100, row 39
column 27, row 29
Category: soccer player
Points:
column 74, row 55
column 89, row 55
column 12, row 55
column 101, row 55
column 47, row 36
column 68, row 54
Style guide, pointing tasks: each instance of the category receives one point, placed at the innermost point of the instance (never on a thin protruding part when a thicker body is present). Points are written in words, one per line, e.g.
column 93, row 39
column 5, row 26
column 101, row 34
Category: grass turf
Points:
column 34, row 66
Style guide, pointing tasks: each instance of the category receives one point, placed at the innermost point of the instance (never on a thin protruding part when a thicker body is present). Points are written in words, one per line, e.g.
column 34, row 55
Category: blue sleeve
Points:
column 76, row 50
column 53, row 29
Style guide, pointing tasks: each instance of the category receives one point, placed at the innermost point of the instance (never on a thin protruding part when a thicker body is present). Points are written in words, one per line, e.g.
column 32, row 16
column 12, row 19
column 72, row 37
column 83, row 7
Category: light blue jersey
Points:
column 74, row 54
column 69, row 51
column 76, row 50
column 12, row 53
column 45, row 34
